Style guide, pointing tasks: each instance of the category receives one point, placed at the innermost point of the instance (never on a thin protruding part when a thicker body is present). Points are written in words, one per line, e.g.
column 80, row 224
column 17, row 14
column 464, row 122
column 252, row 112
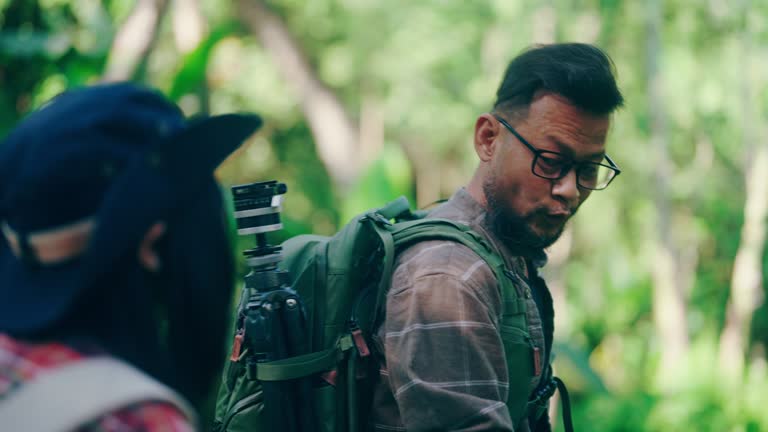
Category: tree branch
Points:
column 334, row 132
column 135, row 40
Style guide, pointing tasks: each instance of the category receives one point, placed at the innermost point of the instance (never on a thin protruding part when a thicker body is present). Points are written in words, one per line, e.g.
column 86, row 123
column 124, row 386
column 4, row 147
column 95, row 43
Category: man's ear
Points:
column 486, row 131
column 148, row 256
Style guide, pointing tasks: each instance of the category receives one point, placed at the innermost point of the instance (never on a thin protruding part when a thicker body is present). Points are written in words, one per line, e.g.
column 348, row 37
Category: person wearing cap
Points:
column 116, row 272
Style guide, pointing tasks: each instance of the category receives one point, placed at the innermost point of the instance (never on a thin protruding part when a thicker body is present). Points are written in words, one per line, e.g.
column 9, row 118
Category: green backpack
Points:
column 342, row 281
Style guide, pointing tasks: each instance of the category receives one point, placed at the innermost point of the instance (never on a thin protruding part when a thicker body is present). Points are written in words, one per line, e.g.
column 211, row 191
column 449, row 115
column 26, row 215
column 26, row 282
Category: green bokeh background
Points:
column 411, row 76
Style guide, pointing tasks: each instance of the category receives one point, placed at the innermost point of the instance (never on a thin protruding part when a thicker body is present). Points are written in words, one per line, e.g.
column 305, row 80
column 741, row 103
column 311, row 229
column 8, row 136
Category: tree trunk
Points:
column 747, row 277
column 427, row 179
column 189, row 29
column 544, row 23
column 746, row 280
column 134, row 41
column 371, row 128
column 669, row 308
column 334, row 131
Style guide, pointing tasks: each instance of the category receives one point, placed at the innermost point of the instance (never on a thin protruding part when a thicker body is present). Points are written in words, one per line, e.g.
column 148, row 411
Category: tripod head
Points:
column 257, row 211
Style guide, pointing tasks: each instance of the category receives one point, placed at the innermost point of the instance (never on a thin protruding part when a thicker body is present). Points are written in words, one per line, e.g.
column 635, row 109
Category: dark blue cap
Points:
column 118, row 155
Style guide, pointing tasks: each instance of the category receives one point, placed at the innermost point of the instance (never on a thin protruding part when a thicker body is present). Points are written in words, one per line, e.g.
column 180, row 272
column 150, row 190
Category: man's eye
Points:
column 589, row 171
column 550, row 165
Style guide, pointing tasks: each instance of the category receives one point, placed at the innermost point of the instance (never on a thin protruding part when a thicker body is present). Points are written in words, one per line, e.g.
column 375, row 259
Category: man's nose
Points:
column 567, row 189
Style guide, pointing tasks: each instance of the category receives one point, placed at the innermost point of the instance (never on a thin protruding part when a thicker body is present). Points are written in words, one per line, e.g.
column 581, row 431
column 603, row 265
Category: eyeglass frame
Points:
column 572, row 164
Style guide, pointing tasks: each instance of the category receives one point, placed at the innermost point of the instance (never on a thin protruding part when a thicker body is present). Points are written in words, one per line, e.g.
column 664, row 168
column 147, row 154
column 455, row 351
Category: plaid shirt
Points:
column 21, row 362
column 443, row 365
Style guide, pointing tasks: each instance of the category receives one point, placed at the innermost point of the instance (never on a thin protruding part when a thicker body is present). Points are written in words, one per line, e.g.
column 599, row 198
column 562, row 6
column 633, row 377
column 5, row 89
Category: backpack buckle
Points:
column 359, row 340
column 377, row 218
column 331, row 377
column 537, row 404
column 237, row 345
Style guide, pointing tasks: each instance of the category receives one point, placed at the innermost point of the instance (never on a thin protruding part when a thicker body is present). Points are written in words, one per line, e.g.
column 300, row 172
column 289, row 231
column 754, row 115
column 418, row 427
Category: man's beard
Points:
column 513, row 228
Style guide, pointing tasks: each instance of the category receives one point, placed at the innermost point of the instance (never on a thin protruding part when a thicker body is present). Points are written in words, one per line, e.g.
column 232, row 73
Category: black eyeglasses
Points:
column 554, row 166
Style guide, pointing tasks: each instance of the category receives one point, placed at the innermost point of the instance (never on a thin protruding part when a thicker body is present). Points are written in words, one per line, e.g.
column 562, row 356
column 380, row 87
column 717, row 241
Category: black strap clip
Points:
column 538, row 404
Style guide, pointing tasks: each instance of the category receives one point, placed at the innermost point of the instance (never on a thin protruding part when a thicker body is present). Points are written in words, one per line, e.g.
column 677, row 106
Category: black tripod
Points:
column 272, row 319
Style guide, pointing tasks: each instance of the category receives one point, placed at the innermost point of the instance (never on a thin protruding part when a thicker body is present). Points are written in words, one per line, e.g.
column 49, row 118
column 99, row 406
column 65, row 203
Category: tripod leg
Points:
column 296, row 329
column 266, row 337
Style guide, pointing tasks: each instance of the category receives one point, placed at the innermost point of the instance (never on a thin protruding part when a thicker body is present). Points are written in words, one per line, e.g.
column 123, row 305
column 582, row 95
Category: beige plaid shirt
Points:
column 444, row 366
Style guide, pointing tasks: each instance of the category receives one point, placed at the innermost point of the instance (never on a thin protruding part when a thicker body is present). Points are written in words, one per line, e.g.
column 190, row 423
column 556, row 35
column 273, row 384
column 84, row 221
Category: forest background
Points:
column 659, row 284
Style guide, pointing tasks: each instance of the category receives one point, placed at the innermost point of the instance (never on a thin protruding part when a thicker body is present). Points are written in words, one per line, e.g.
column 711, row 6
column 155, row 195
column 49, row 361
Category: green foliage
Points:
column 429, row 67
column 386, row 179
column 194, row 67
column 706, row 401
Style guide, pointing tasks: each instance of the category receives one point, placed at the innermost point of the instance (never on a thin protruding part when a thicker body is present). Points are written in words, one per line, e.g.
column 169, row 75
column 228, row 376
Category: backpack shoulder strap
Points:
column 74, row 394
column 409, row 233
column 394, row 237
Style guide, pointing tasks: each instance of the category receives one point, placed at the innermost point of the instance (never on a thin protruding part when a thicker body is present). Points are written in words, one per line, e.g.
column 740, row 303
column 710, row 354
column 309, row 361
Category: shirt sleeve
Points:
column 444, row 356
column 142, row 417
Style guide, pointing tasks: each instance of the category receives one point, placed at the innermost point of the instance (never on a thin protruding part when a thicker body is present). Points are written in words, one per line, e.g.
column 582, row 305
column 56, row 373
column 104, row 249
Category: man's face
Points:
column 530, row 212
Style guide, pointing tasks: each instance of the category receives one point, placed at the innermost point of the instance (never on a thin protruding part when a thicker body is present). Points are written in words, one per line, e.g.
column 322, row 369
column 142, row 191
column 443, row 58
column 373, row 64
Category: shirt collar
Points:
column 472, row 213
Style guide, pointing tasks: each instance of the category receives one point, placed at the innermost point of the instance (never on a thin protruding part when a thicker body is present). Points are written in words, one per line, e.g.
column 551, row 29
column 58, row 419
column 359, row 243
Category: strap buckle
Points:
column 538, row 403
column 376, row 218
column 544, row 393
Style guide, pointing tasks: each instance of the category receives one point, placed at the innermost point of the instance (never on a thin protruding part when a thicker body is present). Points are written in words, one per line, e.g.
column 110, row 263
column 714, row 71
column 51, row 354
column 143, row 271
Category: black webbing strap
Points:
column 538, row 405
column 566, row 401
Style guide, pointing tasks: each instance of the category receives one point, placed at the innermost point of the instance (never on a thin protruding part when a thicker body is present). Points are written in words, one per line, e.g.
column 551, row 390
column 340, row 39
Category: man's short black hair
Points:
column 581, row 73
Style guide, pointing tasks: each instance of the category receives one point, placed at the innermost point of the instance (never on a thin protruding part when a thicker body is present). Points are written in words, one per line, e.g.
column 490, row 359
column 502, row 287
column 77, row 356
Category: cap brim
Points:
column 32, row 299
column 205, row 143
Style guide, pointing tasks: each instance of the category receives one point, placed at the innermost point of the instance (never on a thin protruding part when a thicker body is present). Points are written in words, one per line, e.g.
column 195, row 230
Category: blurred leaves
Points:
column 34, row 44
column 194, row 67
column 431, row 67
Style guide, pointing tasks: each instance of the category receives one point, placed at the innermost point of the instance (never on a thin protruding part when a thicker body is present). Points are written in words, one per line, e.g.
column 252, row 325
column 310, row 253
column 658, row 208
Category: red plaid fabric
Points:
column 21, row 362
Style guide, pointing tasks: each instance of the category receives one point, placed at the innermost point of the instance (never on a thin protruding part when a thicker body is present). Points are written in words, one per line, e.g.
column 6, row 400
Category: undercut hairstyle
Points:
column 581, row 73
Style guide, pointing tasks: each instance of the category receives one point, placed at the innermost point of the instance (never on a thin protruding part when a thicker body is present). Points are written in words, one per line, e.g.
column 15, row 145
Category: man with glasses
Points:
column 456, row 352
